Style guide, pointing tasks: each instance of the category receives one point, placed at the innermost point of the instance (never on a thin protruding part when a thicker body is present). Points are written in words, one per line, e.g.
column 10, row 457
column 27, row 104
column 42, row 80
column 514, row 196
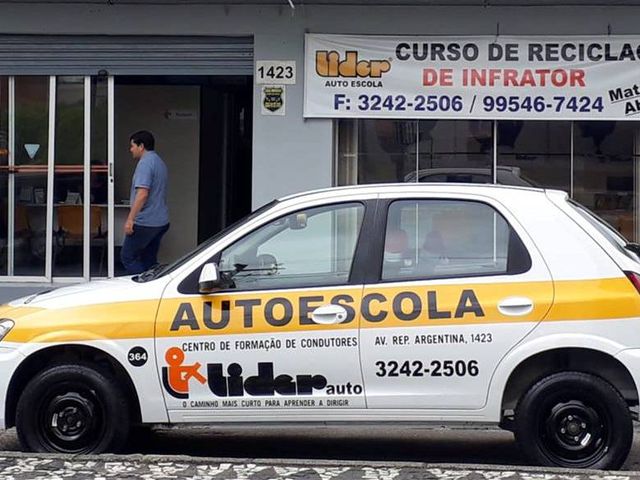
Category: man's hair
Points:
column 143, row 138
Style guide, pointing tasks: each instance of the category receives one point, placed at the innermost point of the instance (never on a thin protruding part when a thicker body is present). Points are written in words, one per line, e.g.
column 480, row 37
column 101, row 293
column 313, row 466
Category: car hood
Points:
column 115, row 290
column 96, row 287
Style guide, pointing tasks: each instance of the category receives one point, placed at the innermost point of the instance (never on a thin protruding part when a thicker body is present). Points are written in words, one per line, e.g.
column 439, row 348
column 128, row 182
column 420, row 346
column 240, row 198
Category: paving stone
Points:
column 15, row 466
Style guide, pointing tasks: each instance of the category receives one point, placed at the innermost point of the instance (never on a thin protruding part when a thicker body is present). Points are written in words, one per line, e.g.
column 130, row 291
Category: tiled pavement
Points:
column 20, row 466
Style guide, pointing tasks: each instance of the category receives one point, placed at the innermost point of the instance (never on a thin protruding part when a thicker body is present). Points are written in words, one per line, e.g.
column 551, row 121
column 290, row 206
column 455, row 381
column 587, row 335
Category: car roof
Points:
column 493, row 190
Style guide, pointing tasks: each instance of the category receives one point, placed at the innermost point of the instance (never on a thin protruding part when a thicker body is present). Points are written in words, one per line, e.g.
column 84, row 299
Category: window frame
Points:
column 189, row 284
column 377, row 260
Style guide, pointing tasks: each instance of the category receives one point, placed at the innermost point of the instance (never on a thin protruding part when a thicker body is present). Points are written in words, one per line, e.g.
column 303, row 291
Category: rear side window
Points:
column 449, row 238
column 614, row 238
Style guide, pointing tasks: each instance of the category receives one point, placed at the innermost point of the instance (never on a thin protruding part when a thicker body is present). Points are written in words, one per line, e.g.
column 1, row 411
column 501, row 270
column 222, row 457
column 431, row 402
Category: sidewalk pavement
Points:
column 42, row 466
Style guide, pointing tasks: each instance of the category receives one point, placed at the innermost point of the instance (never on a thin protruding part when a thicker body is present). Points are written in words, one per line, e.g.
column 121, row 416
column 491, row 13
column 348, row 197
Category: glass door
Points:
column 29, row 186
column 81, row 214
column 97, row 181
column 68, row 180
column 56, row 188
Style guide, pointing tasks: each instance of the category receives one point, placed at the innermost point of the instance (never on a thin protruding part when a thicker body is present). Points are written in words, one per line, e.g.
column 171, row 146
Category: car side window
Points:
column 312, row 247
column 449, row 238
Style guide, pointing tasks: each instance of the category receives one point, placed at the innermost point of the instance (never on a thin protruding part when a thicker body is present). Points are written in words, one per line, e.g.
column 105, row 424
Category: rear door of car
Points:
column 454, row 283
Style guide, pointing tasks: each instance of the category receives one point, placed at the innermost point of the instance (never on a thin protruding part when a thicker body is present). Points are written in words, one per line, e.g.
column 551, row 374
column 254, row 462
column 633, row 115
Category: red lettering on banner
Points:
column 446, row 77
column 559, row 78
column 510, row 77
column 527, row 79
column 577, row 77
column 441, row 78
column 478, row 78
column 494, row 75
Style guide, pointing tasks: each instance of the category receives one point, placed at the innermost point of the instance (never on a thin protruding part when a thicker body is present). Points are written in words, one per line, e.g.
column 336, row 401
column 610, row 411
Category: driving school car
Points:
column 408, row 303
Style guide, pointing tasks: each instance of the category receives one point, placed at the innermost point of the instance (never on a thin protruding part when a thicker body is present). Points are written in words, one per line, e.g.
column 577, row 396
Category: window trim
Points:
column 376, row 260
column 189, row 284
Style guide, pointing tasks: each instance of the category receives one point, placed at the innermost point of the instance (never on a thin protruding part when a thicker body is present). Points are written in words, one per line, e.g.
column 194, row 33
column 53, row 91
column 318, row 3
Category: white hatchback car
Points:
column 384, row 303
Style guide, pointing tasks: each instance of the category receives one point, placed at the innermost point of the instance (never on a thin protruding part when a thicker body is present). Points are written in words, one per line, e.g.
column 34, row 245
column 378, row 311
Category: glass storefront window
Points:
column 454, row 151
column 601, row 174
column 534, row 153
column 377, row 151
column 605, row 156
column 347, row 152
column 386, row 150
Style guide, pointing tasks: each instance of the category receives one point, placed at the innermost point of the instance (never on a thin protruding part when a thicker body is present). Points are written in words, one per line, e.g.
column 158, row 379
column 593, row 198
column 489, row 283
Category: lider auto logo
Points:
column 328, row 64
column 176, row 377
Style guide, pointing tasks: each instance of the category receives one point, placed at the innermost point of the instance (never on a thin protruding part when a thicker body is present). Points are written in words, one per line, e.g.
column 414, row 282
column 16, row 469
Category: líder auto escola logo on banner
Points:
column 543, row 78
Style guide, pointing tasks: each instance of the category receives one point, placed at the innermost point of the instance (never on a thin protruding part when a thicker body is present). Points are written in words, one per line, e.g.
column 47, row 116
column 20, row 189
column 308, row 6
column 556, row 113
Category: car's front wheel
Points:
column 72, row 409
column 575, row 420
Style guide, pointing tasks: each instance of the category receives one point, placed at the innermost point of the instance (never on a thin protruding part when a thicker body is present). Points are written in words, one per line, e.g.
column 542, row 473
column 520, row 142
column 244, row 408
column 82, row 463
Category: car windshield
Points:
column 162, row 270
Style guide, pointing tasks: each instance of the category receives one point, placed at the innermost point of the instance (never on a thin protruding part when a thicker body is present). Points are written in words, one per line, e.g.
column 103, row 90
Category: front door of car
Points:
column 282, row 334
column 460, row 283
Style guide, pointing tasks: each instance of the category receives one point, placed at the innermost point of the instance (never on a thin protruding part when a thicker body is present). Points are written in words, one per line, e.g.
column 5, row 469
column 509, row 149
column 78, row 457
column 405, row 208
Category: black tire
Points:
column 574, row 420
column 72, row 409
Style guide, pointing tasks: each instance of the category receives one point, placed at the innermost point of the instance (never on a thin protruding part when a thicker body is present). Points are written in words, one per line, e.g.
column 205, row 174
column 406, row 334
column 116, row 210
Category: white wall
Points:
column 289, row 153
column 177, row 142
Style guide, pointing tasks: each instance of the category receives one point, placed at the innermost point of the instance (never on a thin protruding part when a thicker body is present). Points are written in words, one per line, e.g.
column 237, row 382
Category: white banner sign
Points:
column 542, row 78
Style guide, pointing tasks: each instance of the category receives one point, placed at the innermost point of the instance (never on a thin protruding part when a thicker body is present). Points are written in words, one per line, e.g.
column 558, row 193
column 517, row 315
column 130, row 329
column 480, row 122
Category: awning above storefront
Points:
column 125, row 55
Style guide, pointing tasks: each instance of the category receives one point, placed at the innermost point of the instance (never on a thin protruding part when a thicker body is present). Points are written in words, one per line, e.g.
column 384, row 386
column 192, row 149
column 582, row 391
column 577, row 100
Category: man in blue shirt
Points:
column 148, row 218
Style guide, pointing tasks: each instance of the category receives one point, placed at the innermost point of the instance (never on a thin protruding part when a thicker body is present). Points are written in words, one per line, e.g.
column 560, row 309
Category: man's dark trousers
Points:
column 140, row 249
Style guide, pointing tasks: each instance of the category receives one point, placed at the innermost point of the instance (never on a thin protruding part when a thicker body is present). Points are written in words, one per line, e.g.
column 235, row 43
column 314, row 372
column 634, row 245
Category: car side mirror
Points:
column 209, row 280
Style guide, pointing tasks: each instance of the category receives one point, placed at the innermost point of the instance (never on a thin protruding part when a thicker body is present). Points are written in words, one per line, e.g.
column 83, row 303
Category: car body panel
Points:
column 581, row 299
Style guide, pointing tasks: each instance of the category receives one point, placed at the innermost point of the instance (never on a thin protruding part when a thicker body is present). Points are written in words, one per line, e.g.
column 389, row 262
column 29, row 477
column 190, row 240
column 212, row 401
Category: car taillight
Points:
column 635, row 279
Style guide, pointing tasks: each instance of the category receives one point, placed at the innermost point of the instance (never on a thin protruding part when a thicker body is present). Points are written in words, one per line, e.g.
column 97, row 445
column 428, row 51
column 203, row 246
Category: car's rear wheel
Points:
column 574, row 420
column 72, row 409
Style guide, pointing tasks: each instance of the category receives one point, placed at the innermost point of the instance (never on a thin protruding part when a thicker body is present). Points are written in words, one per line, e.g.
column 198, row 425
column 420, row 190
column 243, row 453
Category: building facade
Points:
column 233, row 92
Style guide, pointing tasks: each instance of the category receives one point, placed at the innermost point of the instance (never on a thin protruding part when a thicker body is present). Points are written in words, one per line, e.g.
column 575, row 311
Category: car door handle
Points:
column 329, row 314
column 515, row 306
